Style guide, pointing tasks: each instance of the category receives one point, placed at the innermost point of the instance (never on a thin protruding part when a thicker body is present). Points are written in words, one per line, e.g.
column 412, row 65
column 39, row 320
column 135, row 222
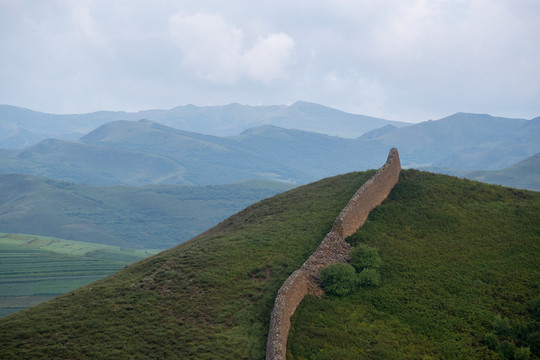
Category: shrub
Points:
column 522, row 353
column 533, row 340
column 492, row 341
column 502, row 326
column 339, row 279
column 369, row 277
column 535, row 309
column 364, row 256
column 507, row 350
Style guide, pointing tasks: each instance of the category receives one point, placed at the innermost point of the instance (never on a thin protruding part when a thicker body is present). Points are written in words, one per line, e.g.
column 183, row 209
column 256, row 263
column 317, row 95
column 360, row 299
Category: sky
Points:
column 408, row 60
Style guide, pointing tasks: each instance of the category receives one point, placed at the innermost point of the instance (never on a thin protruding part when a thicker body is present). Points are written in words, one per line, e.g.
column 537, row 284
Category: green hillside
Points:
column 523, row 175
column 456, row 255
column 211, row 297
column 34, row 269
column 146, row 217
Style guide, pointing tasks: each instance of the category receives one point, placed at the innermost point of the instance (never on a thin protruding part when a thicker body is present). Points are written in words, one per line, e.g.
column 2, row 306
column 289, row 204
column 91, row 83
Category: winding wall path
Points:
column 332, row 249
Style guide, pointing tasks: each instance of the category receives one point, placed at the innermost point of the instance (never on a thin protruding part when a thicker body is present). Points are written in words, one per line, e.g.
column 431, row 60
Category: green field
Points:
column 34, row 269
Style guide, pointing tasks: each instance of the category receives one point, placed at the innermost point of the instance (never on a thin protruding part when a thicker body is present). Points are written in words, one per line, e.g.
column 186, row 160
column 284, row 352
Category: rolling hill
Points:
column 144, row 152
column 457, row 256
column 147, row 217
column 464, row 141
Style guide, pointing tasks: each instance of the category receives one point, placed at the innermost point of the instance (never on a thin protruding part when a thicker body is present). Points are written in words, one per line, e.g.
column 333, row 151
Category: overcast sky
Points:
column 407, row 60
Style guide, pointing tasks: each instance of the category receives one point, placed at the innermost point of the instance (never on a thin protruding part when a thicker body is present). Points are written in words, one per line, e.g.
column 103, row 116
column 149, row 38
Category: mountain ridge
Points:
column 142, row 152
column 226, row 120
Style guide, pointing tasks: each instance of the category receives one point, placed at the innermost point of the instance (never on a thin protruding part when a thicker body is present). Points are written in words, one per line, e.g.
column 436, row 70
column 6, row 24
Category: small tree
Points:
column 507, row 349
column 364, row 256
column 339, row 279
column 535, row 309
column 492, row 341
column 522, row 353
column 501, row 326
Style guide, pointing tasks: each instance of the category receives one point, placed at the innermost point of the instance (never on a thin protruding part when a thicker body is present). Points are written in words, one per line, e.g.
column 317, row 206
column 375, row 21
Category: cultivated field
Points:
column 34, row 269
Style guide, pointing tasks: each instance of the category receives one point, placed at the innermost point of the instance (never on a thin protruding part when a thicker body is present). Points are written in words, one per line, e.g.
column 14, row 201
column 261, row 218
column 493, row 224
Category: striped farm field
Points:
column 34, row 269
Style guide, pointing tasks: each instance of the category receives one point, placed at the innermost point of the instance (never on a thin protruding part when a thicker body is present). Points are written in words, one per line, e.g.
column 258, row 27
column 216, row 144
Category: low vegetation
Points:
column 457, row 256
column 342, row 279
column 339, row 279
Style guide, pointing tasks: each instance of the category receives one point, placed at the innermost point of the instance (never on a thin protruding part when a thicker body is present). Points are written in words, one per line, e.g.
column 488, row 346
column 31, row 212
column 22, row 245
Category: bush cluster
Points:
column 341, row 279
column 517, row 341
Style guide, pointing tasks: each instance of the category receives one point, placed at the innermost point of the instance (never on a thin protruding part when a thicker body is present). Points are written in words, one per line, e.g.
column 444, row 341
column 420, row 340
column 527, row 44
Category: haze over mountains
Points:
column 126, row 152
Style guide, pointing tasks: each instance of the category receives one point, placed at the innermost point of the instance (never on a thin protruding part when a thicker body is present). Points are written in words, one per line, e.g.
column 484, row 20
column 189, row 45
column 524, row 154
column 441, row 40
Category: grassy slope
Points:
column 205, row 299
column 456, row 253
column 34, row 269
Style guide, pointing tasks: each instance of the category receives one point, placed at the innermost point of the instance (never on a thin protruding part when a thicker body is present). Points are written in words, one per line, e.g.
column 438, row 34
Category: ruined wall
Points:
column 370, row 195
column 332, row 249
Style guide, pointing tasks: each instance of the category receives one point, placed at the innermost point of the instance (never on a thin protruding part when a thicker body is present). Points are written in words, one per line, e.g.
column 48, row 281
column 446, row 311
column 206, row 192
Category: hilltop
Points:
column 456, row 254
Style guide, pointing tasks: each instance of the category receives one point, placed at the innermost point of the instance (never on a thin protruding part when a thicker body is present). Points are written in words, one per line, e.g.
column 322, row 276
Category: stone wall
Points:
column 332, row 249
column 370, row 195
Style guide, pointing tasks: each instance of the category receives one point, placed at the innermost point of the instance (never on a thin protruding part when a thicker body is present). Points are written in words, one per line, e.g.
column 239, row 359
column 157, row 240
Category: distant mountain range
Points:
column 21, row 127
column 145, row 152
column 224, row 144
column 464, row 141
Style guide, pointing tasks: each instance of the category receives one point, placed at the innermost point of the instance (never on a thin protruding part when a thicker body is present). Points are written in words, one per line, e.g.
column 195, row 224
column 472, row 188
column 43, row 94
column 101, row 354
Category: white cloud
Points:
column 211, row 46
column 269, row 58
column 214, row 49
column 85, row 24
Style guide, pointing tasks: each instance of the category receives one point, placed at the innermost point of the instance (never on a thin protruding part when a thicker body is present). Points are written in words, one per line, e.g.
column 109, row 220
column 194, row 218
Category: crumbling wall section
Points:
column 332, row 249
column 370, row 195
